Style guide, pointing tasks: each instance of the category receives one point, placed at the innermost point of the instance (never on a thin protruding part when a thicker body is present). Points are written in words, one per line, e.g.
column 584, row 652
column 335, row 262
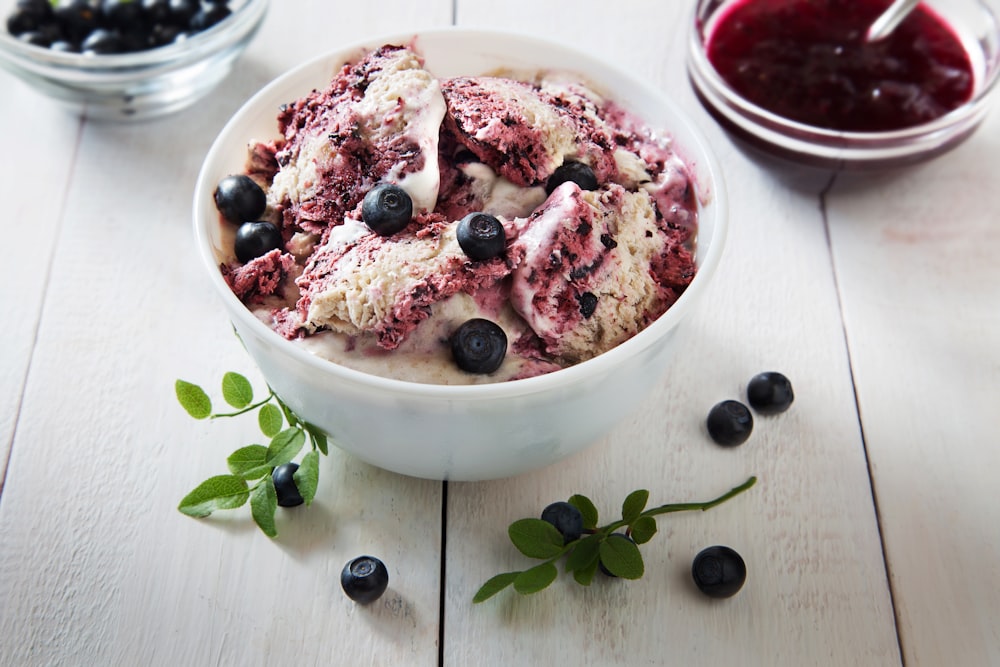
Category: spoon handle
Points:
column 889, row 19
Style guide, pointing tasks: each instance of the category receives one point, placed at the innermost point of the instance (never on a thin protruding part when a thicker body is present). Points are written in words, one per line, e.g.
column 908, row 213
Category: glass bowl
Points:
column 141, row 84
column 974, row 22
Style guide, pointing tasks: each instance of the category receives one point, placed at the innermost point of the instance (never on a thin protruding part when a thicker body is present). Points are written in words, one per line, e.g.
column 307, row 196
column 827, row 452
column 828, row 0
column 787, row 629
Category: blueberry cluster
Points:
column 112, row 26
column 730, row 422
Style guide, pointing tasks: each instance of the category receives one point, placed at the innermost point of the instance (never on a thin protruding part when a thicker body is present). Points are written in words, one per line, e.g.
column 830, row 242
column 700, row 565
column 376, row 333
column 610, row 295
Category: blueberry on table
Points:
column 770, row 393
column 239, row 198
column 566, row 518
column 255, row 239
column 284, row 485
column 577, row 172
column 481, row 236
column 719, row 572
column 386, row 209
column 729, row 423
column 479, row 346
column 364, row 579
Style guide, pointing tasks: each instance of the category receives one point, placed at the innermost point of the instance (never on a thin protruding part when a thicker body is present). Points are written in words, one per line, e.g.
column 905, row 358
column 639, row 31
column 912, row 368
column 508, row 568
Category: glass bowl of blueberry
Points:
column 807, row 80
column 126, row 59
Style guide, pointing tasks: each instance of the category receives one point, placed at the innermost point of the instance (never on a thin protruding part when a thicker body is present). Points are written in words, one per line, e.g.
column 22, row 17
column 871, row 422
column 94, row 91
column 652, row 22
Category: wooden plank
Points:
column 817, row 591
column 96, row 564
column 916, row 256
column 40, row 140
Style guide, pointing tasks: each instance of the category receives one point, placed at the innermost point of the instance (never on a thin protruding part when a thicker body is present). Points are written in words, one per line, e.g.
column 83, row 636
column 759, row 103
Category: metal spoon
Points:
column 889, row 19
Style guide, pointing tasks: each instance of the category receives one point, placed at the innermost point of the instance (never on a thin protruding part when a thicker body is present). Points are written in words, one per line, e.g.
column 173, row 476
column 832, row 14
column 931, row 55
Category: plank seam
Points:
column 824, row 192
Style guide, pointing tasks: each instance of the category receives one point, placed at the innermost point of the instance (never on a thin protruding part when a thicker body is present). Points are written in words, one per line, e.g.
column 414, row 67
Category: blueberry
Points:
column 387, row 209
column 125, row 15
column 478, row 346
column 35, row 38
column 209, row 16
column 613, row 536
column 770, row 393
column 566, row 518
column 481, row 236
column 157, row 11
column 29, row 16
column 255, row 239
column 588, row 304
column 239, row 199
column 182, row 11
column 164, row 33
column 364, row 579
column 64, row 46
column 719, row 572
column 577, row 172
column 284, row 485
column 729, row 423
column 103, row 42
column 77, row 19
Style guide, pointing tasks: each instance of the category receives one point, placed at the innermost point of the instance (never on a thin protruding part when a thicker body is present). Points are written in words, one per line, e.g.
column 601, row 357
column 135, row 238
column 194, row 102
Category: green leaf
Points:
column 270, row 420
column 621, row 557
column 249, row 462
column 643, row 529
column 584, row 554
column 494, row 586
column 586, row 575
column 222, row 492
column 290, row 417
column 318, row 438
column 536, row 538
column 236, row 390
column 193, row 399
column 306, row 478
column 587, row 509
column 285, row 446
column 634, row 504
column 263, row 505
column 535, row 579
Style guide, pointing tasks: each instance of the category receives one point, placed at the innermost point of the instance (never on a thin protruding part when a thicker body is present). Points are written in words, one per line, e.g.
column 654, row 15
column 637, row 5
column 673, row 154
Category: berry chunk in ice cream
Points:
column 570, row 271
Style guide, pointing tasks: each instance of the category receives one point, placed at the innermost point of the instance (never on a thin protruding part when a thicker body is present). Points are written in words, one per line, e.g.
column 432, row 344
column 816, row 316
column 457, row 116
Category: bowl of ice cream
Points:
column 154, row 58
column 799, row 79
column 596, row 213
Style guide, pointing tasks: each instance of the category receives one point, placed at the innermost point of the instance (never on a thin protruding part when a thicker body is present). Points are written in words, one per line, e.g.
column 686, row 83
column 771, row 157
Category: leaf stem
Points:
column 684, row 507
column 249, row 408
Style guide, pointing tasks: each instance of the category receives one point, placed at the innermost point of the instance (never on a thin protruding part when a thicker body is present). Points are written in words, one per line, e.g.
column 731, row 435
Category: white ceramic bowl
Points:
column 142, row 84
column 463, row 432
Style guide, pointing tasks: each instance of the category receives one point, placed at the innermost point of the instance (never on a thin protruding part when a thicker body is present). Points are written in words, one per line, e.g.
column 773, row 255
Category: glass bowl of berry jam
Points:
column 800, row 80
column 126, row 59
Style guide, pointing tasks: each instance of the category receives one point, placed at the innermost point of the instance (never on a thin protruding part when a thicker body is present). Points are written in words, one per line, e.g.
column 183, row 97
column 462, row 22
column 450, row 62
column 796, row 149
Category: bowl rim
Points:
column 709, row 168
column 244, row 19
column 703, row 73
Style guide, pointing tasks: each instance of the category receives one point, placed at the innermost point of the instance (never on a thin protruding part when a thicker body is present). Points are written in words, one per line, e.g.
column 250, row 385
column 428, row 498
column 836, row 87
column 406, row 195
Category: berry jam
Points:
column 808, row 61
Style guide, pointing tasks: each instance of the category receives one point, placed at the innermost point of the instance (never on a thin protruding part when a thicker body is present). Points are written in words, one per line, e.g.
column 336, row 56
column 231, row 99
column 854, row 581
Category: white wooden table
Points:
column 872, row 538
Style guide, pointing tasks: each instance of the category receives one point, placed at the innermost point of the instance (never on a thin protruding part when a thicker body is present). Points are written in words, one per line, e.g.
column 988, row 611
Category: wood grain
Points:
column 916, row 256
column 96, row 565
column 42, row 144
column 876, row 294
column 817, row 591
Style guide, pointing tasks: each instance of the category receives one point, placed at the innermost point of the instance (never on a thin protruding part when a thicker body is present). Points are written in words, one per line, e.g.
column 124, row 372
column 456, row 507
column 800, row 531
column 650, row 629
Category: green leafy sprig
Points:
column 609, row 545
column 250, row 467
